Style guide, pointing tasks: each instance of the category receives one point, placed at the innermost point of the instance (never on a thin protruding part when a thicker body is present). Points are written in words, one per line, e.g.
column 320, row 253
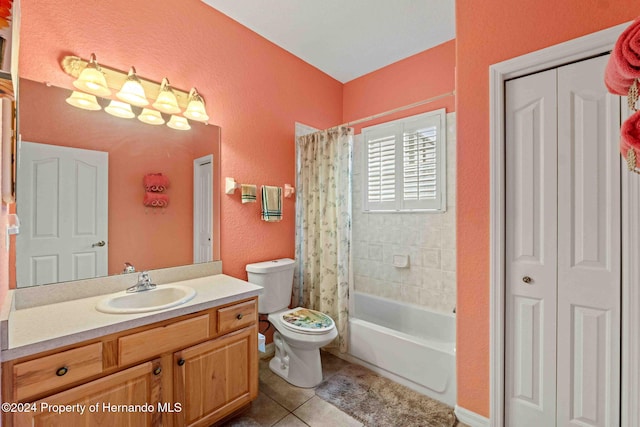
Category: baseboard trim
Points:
column 470, row 418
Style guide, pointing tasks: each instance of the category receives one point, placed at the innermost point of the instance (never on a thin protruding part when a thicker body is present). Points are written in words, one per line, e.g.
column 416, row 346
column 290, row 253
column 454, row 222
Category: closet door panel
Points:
column 531, row 250
column 588, row 247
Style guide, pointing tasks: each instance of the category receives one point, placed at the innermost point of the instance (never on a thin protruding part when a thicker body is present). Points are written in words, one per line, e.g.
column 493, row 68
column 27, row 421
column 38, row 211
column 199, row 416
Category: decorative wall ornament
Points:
column 621, row 78
column 155, row 184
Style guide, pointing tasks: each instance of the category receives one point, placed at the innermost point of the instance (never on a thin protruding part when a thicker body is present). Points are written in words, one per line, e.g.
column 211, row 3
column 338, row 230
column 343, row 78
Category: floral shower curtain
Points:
column 323, row 224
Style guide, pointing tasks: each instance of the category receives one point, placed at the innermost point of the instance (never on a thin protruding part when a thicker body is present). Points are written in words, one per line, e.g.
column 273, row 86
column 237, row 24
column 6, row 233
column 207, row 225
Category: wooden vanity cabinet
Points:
column 192, row 370
column 107, row 401
column 45, row 373
column 215, row 378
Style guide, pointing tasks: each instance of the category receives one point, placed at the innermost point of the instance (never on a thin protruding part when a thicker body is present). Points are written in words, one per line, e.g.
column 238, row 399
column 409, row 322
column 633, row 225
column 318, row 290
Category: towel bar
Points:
column 230, row 185
column 289, row 190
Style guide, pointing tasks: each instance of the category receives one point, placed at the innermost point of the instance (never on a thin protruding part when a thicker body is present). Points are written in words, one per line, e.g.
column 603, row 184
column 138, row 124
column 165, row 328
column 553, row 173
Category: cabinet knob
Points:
column 527, row 279
column 157, row 371
column 239, row 316
column 61, row 371
column 180, row 362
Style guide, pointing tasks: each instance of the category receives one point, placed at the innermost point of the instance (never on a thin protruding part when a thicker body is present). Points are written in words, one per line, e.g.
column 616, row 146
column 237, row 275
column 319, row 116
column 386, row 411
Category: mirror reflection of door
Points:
column 203, row 209
column 63, row 233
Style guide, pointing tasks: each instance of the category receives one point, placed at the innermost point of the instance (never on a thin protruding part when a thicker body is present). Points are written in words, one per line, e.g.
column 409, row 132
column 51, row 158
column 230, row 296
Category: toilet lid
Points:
column 306, row 321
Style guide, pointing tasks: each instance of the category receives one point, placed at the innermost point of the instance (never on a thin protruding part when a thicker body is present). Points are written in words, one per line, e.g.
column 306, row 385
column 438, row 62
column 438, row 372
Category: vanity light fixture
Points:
column 166, row 100
column 120, row 109
column 91, row 79
column 178, row 123
column 151, row 117
column 132, row 90
column 84, row 101
column 195, row 108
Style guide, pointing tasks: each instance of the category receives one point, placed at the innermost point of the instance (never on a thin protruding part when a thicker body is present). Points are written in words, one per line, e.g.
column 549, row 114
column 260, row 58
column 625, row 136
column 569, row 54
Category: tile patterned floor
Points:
column 279, row 404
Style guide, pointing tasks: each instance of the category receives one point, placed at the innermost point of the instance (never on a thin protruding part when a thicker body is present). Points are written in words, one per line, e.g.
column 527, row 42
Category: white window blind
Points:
column 405, row 164
column 381, row 169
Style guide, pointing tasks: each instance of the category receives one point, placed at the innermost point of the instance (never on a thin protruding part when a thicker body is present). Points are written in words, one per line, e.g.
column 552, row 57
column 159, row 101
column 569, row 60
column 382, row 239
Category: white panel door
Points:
column 63, row 212
column 531, row 250
column 589, row 254
column 203, row 209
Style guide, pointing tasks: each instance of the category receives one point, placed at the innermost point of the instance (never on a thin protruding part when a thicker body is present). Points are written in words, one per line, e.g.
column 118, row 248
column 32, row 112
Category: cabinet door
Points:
column 213, row 379
column 97, row 402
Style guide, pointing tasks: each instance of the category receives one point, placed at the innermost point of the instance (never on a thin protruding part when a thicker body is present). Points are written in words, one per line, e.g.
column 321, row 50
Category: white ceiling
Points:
column 346, row 38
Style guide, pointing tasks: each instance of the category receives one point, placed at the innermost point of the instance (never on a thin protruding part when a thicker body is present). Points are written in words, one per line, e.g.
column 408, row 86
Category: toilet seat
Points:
column 306, row 321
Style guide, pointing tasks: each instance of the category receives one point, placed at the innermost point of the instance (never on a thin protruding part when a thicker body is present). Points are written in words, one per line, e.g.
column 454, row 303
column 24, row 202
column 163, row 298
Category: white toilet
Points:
column 300, row 332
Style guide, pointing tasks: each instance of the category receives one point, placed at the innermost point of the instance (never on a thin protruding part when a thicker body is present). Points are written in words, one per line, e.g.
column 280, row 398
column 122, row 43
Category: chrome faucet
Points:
column 144, row 283
column 128, row 268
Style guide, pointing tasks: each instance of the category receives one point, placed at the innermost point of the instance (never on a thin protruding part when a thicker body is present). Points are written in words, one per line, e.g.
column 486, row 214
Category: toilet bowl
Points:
column 297, row 357
column 300, row 332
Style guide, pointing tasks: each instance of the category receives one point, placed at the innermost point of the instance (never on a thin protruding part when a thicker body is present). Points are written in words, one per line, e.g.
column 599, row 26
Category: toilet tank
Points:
column 276, row 278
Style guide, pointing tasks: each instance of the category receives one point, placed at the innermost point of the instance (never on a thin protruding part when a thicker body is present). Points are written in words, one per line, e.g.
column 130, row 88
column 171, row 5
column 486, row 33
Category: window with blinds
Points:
column 382, row 164
column 405, row 166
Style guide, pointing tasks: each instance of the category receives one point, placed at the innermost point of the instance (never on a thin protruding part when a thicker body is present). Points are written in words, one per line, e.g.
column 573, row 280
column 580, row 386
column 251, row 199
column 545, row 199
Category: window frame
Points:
column 397, row 128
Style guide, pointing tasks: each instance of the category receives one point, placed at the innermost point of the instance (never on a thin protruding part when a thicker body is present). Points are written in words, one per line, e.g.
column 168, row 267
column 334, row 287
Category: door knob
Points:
column 101, row 243
column 527, row 279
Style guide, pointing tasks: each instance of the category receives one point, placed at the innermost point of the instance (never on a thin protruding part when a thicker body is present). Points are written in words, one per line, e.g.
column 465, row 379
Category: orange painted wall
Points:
column 146, row 237
column 488, row 32
column 255, row 91
column 416, row 78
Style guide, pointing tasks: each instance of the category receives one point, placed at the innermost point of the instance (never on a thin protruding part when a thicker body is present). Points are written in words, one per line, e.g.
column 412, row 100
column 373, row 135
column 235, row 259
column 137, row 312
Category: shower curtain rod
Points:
column 397, row 110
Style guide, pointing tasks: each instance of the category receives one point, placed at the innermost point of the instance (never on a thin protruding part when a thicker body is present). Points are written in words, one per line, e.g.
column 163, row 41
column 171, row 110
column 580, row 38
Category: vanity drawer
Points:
column 237, row 316
column 51, row 372
column 150, row 343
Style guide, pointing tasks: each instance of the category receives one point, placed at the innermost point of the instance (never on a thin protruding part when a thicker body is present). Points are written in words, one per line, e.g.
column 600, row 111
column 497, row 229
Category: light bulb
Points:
column 196, row 108
column 166, row 101
column 151, row 117
column 132, row 90
column 84, row 101
column 92, row 80
column 120, row 109
column 178, row 123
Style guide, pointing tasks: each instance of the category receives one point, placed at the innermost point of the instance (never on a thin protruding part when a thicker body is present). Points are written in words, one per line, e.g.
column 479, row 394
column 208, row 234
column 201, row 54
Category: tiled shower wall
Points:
column 429, row 239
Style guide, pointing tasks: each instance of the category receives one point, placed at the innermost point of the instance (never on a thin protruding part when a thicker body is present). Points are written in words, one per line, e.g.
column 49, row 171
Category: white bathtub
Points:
column 407, row 343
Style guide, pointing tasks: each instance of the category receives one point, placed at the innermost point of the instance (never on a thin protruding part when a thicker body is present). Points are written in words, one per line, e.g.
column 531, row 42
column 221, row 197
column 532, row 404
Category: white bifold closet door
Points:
column 562, row 335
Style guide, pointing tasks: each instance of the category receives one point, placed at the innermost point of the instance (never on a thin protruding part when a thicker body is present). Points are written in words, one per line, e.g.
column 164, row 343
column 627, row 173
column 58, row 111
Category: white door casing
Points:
column 630, row 389
column 203, row 209
column 63, row 209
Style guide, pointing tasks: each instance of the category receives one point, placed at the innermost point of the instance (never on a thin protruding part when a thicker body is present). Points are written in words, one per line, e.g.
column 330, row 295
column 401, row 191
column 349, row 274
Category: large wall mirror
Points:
column 93, row 224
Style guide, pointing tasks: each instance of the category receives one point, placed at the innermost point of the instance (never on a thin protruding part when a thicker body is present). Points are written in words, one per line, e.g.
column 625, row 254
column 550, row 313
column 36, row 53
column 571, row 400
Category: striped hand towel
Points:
column 249, row 193
column 271, row 203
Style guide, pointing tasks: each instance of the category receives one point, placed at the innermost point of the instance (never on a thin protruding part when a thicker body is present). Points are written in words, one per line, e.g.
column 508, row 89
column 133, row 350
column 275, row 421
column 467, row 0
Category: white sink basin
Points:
column 164, row 296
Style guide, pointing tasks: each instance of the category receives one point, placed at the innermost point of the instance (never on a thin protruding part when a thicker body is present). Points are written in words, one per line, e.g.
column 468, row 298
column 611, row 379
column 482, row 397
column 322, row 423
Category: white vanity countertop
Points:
column 36, row 329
